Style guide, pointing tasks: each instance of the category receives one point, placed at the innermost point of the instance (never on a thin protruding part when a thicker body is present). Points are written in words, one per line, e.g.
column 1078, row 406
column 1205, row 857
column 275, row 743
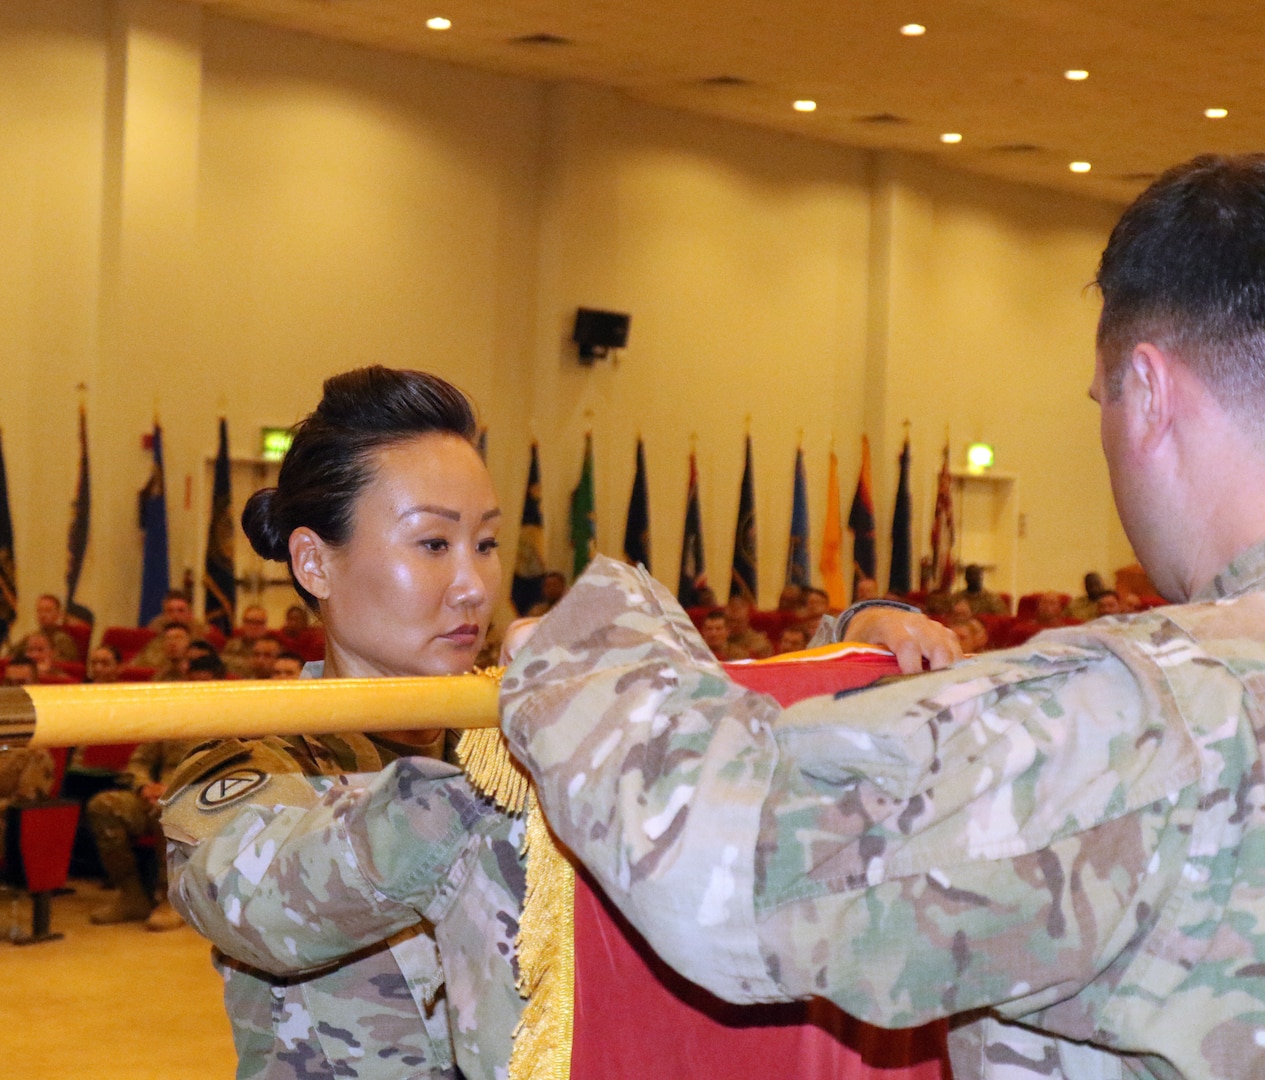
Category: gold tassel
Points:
column 546, row 931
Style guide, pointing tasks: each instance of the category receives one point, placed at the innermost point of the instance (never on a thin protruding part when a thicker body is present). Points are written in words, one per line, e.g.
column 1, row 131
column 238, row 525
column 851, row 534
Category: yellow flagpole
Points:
column 76, row 714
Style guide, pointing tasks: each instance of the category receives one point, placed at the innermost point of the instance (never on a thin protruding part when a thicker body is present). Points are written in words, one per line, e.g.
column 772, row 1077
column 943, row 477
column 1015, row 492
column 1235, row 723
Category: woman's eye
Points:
column 434, row 545
column 490, row 544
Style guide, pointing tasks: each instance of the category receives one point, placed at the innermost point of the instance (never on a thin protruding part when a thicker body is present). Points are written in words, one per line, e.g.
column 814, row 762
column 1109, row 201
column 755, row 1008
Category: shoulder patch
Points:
column 230, row 787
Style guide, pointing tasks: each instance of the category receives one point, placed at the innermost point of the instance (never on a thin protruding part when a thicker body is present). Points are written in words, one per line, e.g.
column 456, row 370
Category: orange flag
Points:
column 831, row 564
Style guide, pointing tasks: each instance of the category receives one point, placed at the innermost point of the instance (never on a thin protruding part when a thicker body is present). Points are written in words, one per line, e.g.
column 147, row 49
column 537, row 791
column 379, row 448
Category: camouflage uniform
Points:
column 366, row 918
column 25, row 775
column 1062, row 846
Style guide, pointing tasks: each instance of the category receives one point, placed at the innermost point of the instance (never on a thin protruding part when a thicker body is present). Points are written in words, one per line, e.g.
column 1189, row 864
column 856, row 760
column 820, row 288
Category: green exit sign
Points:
column 274, row 442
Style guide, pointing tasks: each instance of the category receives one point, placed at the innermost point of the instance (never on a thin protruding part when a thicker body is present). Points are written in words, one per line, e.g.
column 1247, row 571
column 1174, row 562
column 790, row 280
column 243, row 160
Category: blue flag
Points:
column 692, row 578
column 155, row 575
column 637, row 529
column 797, row 570
column 8, row 571
column 218, row 575
column 900, row 578
column 743, row 574
column 861, row 522
column 529, row 562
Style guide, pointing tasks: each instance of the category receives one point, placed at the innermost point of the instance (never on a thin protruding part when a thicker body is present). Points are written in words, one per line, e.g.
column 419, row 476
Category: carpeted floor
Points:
column 108, row 1002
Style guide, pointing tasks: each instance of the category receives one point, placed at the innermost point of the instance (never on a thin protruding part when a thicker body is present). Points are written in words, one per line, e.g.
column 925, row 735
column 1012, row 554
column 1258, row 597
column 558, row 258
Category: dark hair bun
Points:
column 262, row 529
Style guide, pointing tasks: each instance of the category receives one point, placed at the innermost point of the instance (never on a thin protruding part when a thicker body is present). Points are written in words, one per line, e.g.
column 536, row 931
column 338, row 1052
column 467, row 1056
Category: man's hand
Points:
column 912, row 637
column 152, row 792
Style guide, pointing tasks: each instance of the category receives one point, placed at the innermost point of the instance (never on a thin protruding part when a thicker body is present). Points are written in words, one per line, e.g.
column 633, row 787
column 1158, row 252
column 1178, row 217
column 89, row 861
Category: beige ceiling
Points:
column 989, row 69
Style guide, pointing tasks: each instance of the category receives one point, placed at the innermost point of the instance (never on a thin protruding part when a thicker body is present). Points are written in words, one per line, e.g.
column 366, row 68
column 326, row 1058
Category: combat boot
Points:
column 130, row 904
column 164, row 917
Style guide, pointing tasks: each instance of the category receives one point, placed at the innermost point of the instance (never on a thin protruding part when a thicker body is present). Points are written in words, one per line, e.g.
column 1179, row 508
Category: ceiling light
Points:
column 1216, row 114
column 950, row 137
column 1079, row 166
column 805, row 106
column 438, row 23
column 1076, row 75
column 913, row 29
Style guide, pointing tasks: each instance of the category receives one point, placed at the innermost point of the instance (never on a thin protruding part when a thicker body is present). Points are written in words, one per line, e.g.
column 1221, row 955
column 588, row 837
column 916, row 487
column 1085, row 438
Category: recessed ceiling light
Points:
column 1076, row 75
column 913, row 29
column 805, row 106
column 1216, row 114
column 1079, row 166
column 951, row 137
column 438, row 23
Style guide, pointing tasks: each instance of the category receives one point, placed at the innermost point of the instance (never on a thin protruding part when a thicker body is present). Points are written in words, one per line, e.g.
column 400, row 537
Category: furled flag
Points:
column 584, row 513
column 529, row 560
column 77, row 537
column 218, row 576
column 8, row 572
column 692, row 577
column 861, row 521
column 743, row 574
column 637, row 530
column 899, row 580
column 155, row 574
column 797, row 571
column 942, row 531
column 831, row 563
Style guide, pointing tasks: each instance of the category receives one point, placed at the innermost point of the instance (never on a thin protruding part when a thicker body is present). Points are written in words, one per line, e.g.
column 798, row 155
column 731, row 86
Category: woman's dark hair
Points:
column 330, row 459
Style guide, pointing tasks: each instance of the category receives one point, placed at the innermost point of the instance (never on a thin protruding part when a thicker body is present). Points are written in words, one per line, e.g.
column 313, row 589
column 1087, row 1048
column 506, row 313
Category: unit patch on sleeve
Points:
column 230, row 787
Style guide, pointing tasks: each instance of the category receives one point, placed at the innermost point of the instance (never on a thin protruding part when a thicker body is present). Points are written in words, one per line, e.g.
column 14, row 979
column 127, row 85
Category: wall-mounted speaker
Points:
column 597, row 332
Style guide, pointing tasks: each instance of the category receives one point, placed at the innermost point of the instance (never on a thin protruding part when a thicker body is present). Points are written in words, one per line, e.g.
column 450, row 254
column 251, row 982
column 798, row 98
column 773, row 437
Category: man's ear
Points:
column 310, row 560
column 1151, row 392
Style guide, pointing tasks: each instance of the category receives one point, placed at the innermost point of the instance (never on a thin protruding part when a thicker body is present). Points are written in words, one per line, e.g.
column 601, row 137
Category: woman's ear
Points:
column 310, row 561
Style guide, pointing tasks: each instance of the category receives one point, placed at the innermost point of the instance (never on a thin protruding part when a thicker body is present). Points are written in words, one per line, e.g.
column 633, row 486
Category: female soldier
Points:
column 327, row 894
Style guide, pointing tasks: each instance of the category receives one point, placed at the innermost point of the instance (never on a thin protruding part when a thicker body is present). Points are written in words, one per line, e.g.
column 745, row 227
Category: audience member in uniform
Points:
column 816, row 604
column 791, row 598
column 296, row 621
column 1109, row 603
column 971, row 633
column 744, row 642
column 982, row 601
column 26, row 774
column 1085, row 607
column 119, row 818
column 49, row 622
column 39, row 649
column 20, row 671
column 103, row 664
column 715, row 631
column 236, row 651
column 176, row 609
column 792, row 639
column 174, row 641
column 263, row 654
column 288, row 665
column 205, row 667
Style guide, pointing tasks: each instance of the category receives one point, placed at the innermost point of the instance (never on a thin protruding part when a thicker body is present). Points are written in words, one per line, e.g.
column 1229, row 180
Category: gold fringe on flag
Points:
column 546, row 930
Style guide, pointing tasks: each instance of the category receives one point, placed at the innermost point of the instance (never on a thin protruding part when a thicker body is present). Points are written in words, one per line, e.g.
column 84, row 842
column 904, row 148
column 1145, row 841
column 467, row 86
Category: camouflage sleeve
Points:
column 288, row 872
column 982, row 836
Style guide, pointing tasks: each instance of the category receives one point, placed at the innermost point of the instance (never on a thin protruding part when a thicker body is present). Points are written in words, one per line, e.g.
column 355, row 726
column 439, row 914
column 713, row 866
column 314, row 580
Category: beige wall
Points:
column 202, row 216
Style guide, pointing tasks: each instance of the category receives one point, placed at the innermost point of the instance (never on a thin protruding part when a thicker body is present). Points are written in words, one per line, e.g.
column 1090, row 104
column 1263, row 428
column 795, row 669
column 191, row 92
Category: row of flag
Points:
column 221, row 589
column 529, row 568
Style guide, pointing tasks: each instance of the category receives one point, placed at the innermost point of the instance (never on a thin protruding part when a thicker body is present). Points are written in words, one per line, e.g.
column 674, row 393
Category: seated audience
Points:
column 816, row 604
column 296, row 621
column 792, row 639
column 20, row 671
column 40, row 649
column 118, row 818
column 26, row 774
column 1050, row 610
column 204, row 667
column 715, row 631
column 971, row 633
column 981, row 601
column 236, row 651
column 744, row 642
column 288, row 665
column 791, row 598
column 103, row 664
column 1085, row 607
column 1108, row 603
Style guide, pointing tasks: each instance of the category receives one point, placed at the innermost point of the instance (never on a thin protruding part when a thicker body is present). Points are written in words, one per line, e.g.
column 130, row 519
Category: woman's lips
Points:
column 467, row 634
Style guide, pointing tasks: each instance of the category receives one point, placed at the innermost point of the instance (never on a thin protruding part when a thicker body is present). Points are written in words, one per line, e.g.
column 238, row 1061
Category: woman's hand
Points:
column 516, row 635
column 911, row 636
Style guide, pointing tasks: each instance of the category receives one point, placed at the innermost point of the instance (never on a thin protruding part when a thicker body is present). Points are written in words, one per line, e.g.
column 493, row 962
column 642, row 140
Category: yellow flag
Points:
column 831, row 564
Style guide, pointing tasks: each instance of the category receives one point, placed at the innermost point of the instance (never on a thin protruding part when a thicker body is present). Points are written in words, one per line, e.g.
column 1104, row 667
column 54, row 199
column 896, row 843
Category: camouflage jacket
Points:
column 364, row 922
column 1061, row 846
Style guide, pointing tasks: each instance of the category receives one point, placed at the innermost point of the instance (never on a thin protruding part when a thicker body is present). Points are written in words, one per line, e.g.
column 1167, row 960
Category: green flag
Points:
column 583, row 513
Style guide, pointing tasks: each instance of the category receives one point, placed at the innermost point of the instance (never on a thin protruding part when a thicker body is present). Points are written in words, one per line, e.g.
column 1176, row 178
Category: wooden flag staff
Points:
column 73, row 715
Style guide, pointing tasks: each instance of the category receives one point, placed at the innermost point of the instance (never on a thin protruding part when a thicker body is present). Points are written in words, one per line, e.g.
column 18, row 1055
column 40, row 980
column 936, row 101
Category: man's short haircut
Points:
column 49, row 596
column 1185, row 270
column 287, row 654
column 210, row 663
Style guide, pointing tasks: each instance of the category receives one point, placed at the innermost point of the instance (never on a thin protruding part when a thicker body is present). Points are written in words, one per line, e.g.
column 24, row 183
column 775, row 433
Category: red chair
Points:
column 39, row 838
column 311, row 643
column 112, row 756
column 129, row 640
column 136, row 673
column 72, row 669
column 216, row 637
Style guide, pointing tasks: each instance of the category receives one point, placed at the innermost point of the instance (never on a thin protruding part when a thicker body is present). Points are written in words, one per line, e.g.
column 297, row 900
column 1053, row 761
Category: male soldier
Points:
column 1062, row 847
column 236, row 653
column 120, row 817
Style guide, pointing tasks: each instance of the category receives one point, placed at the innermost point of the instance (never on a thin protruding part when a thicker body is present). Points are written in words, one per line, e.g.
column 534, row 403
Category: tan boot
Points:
column 132, row 904
column 164, row 917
